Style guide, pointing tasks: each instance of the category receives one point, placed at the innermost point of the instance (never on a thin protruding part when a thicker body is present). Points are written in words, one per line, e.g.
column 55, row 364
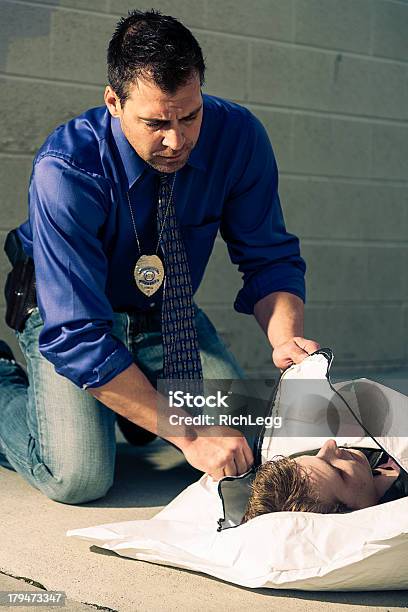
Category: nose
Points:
column 174, row 139
column 328, row 449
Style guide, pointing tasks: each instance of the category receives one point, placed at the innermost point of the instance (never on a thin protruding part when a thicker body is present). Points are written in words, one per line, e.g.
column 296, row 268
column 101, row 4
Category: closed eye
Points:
column 338, row 470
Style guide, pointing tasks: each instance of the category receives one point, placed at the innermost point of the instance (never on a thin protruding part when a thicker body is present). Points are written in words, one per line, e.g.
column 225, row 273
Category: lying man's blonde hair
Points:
column 282, row 485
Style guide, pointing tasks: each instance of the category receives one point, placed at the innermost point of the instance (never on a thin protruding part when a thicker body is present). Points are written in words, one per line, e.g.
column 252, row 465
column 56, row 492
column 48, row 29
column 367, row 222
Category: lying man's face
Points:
column 343, row 475
column 334, row 480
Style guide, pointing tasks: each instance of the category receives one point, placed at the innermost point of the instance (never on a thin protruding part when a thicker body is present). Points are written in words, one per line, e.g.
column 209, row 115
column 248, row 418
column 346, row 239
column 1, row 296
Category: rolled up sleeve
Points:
column 67, row 210
column 254, row 229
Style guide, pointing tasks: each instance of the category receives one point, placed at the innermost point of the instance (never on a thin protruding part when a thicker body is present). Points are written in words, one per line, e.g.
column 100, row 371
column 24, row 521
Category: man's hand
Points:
column 219, row 451
column 280, row 315
column 293, row 351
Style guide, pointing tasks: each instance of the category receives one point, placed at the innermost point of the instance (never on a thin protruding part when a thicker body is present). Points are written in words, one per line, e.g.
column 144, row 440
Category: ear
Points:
column 112, row 102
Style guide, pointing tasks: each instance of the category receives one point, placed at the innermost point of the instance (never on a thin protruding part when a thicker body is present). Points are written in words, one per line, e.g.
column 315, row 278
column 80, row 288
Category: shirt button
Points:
column 152, row 304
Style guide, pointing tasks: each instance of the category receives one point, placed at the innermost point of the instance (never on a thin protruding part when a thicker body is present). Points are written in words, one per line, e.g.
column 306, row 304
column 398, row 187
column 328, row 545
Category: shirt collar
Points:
column 134, row 165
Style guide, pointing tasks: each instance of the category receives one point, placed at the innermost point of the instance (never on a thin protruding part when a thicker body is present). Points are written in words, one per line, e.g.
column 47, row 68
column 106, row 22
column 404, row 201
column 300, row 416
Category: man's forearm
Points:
column 131, row 394
column 220, row 452
column 280, row 315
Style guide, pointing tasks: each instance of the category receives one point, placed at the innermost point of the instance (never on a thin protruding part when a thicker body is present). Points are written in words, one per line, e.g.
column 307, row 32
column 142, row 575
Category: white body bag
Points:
column 366, row 549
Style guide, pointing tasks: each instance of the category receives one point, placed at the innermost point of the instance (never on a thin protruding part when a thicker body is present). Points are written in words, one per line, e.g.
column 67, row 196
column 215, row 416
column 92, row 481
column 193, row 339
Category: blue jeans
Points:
column 58, row 436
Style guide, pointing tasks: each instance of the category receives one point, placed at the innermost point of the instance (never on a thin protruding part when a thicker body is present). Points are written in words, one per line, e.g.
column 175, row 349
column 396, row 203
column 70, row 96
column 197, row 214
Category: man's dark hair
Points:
column 155, row 46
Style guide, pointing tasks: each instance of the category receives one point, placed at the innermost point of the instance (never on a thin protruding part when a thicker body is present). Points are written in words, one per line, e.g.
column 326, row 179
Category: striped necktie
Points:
column 181, row 355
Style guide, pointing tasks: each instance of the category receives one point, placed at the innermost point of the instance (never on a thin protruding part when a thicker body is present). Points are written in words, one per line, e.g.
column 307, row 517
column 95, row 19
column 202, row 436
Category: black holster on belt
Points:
column 19, row 290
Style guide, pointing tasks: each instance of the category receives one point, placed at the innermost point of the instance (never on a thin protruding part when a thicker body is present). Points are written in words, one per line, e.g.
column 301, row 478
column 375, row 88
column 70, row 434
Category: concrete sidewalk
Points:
column 34, row 546
column 14, row 587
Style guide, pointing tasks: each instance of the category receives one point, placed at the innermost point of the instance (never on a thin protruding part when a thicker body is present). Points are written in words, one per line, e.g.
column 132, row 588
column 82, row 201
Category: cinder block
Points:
column 78, row 43
column 271, row 74
column 349, row 85
column 390, row 152
column 271, row 19
column 14, row 177
column 350, row 273
column 189, row 12
column 226, row 60
column 244, row 338
column 221, row 281
column 87, row 5
column 390, row 29
column 279, row 125
column 332, row 82
column 330, row 209
column 388, row 89
column 365, row 335
column 335, row 24
column 25, row 43
column 302, row 78
column 327, row 146
column 327, row 81
column 292, row 77
column 48, row 105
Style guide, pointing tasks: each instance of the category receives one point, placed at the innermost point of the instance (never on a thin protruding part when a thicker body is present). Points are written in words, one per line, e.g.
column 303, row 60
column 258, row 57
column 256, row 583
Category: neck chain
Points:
column 164, row 218
column 149, row 269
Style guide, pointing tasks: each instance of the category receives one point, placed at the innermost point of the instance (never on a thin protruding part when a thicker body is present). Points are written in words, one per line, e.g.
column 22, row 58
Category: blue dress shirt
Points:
column 81, row 237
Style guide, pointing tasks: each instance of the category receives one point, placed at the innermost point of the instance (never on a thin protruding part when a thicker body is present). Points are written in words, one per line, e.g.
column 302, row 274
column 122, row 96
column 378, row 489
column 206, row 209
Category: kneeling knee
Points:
column 80, row 495
column 77, row 488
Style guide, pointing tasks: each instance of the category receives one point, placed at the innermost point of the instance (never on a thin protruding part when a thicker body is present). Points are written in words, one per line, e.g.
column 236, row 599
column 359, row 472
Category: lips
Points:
column 171, row 158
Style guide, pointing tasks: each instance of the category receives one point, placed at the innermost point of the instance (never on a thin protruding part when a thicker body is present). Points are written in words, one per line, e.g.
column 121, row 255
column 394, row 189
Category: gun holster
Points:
column 19, row 290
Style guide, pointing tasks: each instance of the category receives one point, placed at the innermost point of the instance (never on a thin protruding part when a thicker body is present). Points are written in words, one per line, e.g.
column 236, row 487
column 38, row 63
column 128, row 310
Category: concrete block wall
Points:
column 329, row 80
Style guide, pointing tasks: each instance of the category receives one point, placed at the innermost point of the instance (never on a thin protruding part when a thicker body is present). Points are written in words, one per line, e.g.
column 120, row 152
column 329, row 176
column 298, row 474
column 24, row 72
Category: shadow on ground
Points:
column 148, row 476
